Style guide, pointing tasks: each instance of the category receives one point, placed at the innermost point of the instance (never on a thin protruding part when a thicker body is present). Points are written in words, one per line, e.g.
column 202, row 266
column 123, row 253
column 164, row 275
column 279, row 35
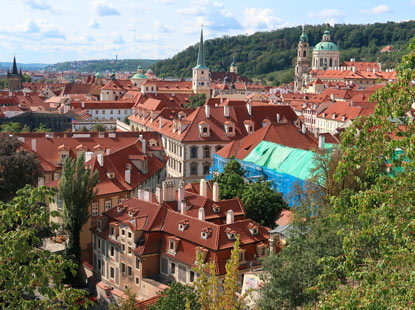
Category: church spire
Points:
column 14, row 70
column 201, row 56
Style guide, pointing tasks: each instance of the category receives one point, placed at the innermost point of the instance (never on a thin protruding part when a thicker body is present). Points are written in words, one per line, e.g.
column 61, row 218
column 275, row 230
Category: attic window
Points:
column 110, row 175
column 333, row 116
column 253, row 229
column 216, row 208
column 130, row 213
column 230, row 234
column 204, row 235
column 120, row 209
column 183, row 225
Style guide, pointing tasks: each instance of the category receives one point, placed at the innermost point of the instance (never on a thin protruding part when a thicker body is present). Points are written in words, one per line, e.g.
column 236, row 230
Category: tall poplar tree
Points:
column 76, row 188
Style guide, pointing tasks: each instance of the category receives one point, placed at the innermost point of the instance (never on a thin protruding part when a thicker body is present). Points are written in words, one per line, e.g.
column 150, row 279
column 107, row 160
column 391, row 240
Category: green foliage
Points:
column 42, row 128
column 76, row 188
column 125, row 304
column 27, row 272
column 18, row 168
column 377, row 221
column 4, row 83
column 263, row 53
column 98, row 127
column 197, row 101
column 11, row 127
column 103, row 65
column 176, row 297
column 26, row 78
column 262, row 204
column 231, row 181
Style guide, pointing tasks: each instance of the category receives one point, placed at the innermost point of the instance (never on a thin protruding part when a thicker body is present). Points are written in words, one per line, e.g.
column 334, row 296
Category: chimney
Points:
column 203, row 188
column 159, row 194
column 147, row 195
column 303, row 129
column 34, row 145
column 88, row 156
column 374, row 70
column 249, row 108
column 229, row 217
column 180, row 197
column 160, row 121
column 140, row 137
column 83, row 104
column 354, row 69
column 140, row 193
column 226, row 110
column 100, row 158
column 183, row 207
column 107, row 151
column 215, row 192
column 143, row 146
column 127, row 176
column 321, row 142
column 201, row 214
column 207, row 110
column 10, row 94
column 332, row 97
column 278, row 117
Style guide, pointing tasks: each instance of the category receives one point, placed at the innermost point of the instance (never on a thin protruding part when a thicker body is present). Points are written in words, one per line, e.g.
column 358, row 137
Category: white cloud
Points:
column 194, row 11
column 413, row 2
column 257, row 19
column 162, row 28
column 42, row 5
column 93, row 23
column 104, row 9
column 167, row 1
column 118, row 40
column 328, row 15
column 380, row 9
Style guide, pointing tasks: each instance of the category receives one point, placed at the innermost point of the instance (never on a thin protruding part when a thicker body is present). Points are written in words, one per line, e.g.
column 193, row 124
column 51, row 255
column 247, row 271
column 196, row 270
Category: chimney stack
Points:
column 226, row 110
column 203, row 188
column 159, row 194
column 143, row 146
column 278, row 117
column 100, row 158
column 34, row 145
column 201, row 214
column 140, row 194
column 140, row 137
column 183, row 207
column 215, row 192
column 160, row 122
column 83, row 104
column 180, row 196
column 207, row 110
column 249, row 107
column 229, row 217
column 147, row 195
column 321, row 142
column 303, row 129
column 127, row 176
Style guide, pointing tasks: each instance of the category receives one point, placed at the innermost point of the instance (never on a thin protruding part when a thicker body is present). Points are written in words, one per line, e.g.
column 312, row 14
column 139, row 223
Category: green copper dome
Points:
column 326, row 46
column 304, row 36
column 98, row 75
column 139, row 76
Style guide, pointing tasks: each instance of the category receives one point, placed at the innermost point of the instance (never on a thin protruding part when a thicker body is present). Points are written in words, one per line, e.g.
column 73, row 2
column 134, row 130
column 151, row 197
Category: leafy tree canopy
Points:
column 231, row 181
column 175, row 298
column 197, row 101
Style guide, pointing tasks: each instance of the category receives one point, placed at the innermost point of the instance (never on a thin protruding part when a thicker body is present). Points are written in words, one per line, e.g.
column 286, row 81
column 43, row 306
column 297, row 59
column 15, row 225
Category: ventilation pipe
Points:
column 160, row 122
column 143, row 146
column 207, row 110
column 249, row 108
column 100, row 158
column 180, row 197
column 159, row 194
column 201, row 214
column 278, row 117
column 203, row 188
column 216, row 192
column 303, row 129
column 229, row 217
column 226, row 110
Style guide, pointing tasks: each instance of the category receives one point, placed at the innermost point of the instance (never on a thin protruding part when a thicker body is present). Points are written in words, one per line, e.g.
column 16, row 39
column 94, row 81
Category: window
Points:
column 230, row 129
column 205, row 129
column 137, row 280
column 59, row 203
column 102, row 111
column 304, row 54
column 206, row 152
column 119, row 112
column 193, row 168
column 129, row 271
column 96, row 111
column 112, row 231
column 99, row 244
column 112, row 250
column 193, row 152
column 120, row 200
column 123, row 248
column 137, row 263
column 123, row 232
column 111, row 111
column 112, row 272
column 172, row 268
column 94, row 209
column 171, row 245
column 164, row 265
column 129, row 250
column 206, row 168
column 192, row 276
column 107, row 205
column 129, row 234
column 123, row 268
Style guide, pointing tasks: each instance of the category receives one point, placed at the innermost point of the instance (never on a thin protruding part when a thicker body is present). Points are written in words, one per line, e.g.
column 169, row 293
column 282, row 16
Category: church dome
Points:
column 326, row 46
column 139, row 76
column 98, row 75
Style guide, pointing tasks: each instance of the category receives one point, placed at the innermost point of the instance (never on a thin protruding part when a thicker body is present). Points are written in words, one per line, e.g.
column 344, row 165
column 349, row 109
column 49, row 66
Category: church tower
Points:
column 14, row 78
column 201, row 75
column 303, row 61
column 233, row 68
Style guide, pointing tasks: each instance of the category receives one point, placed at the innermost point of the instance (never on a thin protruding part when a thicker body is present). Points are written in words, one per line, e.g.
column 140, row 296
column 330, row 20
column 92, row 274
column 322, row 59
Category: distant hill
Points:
column 271, row 55
column 102, row 65
column 29, row 67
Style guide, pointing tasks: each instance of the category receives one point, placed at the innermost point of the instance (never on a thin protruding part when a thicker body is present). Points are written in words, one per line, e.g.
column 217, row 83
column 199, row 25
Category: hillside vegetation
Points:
column 102, row 65
column 271, row 55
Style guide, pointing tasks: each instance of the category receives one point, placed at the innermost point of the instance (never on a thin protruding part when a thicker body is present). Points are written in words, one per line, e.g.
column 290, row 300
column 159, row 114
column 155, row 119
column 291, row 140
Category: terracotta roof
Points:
column 120, row 85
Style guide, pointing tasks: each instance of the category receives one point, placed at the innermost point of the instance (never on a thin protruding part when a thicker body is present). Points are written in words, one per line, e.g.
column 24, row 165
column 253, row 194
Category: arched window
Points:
column 193, row 152
column 331, row 63
column 206, row 168
column 304, row 54
column 321, row 62
column 193, row 168
column 206, row 152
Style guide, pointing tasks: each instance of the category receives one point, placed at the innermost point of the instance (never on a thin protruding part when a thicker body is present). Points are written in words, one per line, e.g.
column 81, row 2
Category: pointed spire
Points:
column 201, row 56
column 14, row 70
column 233, row 61
column 304, row 37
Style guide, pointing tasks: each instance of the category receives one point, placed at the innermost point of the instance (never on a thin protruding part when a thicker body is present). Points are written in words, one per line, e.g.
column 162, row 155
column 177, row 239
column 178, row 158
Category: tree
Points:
column 42, row 128
column 176, row 297
column 231, row 181
column 98, row 127
column 197, row 100
column 27, row 272
column 18, row 168
column 76, row 188
column 378, row 221
column 129, row 303
column 262, row 204
column 11, row 127
column 210, row 294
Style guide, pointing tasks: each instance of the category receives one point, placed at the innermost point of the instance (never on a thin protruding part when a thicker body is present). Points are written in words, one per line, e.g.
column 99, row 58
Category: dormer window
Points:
column 241, row 255
column 261, row 249
column 130, row 213
column 229, row 128
column 333, row 116
column 249, row 126
column 173, row 245
column 216, row 208
column 110, row 175
column 230, row 234
column 204, row 130
column 343, row 118
column 205, row 233
column 152, row 142
column 120, row 209
column 183, row 225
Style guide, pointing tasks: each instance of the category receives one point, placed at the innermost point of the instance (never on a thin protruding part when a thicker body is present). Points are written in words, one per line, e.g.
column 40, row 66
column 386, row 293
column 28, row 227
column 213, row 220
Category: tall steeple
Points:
column 14, row 70
column 201, row 56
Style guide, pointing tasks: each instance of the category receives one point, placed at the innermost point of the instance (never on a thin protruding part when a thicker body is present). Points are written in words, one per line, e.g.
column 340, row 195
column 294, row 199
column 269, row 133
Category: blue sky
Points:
column 49, row 31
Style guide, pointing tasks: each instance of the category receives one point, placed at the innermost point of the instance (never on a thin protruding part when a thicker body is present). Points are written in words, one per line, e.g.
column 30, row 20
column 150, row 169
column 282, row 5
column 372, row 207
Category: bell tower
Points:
column 201, row 75
column 303, row 61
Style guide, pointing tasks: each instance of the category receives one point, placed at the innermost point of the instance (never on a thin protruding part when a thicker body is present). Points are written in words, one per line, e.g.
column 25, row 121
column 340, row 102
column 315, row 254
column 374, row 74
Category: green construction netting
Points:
column 295, row 162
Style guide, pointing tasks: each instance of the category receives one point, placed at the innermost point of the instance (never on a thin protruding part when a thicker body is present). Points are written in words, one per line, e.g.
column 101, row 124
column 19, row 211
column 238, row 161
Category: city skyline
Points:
column 44, row 31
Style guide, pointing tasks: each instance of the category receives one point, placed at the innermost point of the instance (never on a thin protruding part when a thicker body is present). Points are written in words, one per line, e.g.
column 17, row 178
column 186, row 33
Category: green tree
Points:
column 129, row 303
column 98, row 127
column 175, row 298
column 262, row 204
column 18, row 168
column 231, row 181
column 378, row 221
column 76, row 188
column 11, row 127
column 27, row 272
column 42, row 128
column 26, row 78
column 197, row 101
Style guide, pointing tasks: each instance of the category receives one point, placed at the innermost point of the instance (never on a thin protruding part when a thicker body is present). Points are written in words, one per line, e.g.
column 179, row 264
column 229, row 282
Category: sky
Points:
column 50, row 31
